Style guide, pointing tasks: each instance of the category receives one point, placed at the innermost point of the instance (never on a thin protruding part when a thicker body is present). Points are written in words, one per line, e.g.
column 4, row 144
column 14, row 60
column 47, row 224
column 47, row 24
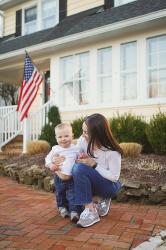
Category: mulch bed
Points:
column 146, row 168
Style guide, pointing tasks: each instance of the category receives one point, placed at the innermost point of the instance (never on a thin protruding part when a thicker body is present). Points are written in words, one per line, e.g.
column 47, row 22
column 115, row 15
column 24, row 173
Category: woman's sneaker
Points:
column 64, row 212
column 88, row 217
column 74, row 216
column 103, row 207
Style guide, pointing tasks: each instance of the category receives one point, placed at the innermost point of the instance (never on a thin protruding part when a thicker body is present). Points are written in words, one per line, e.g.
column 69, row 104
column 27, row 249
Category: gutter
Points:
column 86, row 34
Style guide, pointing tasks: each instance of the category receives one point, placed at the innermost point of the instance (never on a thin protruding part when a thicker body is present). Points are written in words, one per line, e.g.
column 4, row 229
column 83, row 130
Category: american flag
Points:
column 29, row 88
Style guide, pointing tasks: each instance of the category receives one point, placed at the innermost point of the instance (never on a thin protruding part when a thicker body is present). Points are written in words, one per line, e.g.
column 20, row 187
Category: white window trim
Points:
column 38, row 4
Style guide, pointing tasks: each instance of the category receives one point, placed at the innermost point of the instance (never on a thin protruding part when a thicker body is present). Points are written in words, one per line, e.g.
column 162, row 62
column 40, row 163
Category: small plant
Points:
column 77, row 127
column 37, row 147
column 130, row 128
column 48, row 133
column 131, row 149
column 156, row 133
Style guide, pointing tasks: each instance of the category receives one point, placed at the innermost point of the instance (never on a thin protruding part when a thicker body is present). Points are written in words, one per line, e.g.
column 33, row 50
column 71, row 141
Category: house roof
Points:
column 83, row 21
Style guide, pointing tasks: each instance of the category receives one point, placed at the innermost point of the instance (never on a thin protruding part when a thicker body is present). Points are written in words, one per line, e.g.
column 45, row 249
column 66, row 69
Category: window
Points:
column 128, row 71
column 74, row 79
column 156, row 57
column 104, row 75
column 121, row 2
column 43, row 15
column 49, row 13
column 30, row 20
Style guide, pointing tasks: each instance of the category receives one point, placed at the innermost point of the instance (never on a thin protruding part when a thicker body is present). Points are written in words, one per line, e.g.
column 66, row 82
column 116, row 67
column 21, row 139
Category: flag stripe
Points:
column 27, row 86
column 29, row 89
column 24, row 114
column 28, row 99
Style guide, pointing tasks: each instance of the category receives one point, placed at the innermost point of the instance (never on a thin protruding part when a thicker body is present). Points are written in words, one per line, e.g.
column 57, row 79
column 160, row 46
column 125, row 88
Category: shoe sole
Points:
column 102, row 215
column 79, row 225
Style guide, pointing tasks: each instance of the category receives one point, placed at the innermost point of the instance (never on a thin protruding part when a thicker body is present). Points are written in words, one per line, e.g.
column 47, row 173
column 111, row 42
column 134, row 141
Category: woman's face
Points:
column 85, row 132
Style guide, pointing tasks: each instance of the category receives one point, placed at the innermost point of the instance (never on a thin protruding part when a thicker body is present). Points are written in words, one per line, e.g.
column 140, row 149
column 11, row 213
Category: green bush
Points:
column 130, row 128
column 156, row 133
column 48, row 133
column 77, row 127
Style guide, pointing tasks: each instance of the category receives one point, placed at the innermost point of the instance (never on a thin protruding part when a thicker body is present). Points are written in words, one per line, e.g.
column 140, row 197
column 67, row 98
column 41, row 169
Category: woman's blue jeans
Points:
column 88, row 182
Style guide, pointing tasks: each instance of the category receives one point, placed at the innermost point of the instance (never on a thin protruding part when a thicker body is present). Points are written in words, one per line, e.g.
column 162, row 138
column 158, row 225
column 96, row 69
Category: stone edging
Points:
column 42, row 178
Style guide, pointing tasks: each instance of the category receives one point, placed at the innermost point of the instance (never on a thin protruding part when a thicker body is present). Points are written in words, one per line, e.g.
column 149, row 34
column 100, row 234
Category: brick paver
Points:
column 29, row 220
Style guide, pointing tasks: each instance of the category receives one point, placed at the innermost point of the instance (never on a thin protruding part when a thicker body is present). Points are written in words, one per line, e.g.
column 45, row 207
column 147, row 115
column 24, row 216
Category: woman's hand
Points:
column 87, row 161
column 58, row 160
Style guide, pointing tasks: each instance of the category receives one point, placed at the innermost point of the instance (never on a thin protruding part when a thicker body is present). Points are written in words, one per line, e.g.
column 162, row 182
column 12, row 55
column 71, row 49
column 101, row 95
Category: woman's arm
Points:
column 112, row 172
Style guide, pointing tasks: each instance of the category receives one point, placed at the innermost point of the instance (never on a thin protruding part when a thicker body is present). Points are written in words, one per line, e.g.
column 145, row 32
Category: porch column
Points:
column 25, row 135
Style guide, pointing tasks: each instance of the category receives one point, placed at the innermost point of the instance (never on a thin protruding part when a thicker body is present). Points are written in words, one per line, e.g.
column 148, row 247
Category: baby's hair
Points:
column 63, row 125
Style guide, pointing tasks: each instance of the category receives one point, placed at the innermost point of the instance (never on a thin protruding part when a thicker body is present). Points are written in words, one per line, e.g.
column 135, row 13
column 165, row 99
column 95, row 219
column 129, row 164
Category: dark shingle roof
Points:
column 83, row 21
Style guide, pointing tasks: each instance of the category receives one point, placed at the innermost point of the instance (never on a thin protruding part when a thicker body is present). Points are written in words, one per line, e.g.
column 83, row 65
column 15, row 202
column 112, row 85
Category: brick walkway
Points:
column 28, row 220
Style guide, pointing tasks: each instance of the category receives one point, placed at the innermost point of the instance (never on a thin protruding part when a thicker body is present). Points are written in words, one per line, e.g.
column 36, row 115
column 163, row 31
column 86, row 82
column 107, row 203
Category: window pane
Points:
column 128, row 56
column 129, row 71
column 104, row 60
column 74, row 78
column 49, row 13
column 30, row 19
column 30, row 14
column 129, row 90
column 156, row 53
column 81, row 96
column 104, row 75
column 105, row 89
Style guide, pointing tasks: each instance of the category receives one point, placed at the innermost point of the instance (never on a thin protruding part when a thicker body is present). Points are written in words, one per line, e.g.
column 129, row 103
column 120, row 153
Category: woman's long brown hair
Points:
column 100, row 134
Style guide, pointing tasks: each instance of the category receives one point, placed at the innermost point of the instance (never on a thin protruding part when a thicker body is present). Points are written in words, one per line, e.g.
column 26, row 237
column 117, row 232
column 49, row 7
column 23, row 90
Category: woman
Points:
column 97, row 170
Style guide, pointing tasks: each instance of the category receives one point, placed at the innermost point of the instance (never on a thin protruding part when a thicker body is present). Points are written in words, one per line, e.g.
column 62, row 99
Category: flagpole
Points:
column 25, row 135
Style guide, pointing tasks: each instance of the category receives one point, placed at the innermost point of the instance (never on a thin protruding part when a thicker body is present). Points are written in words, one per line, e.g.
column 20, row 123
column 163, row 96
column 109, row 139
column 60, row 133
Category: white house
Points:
column 104, row 56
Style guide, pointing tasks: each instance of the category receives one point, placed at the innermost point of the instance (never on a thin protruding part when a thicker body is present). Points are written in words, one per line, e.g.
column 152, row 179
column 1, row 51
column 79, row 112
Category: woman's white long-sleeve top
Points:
column 108, row 161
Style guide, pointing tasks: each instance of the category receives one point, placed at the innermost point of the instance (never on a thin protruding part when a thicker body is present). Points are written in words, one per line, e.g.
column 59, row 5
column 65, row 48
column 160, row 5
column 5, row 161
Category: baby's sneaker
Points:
column 74, row 216
column 64, row 212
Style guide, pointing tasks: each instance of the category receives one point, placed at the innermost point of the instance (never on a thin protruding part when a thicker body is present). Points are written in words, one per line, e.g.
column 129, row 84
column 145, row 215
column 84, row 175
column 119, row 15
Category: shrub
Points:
column 156, row 133
column 131, row 149
column 130, row 128
column 37, row 147
column 77, row 127
column 48, row 133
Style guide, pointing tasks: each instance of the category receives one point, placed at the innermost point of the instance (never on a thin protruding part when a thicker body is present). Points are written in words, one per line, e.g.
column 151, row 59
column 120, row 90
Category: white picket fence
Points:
column 10, row 125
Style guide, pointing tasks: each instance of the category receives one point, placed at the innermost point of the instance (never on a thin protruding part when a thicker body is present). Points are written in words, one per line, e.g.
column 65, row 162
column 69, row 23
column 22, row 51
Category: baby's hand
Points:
column 82, row 156
column 53, row 167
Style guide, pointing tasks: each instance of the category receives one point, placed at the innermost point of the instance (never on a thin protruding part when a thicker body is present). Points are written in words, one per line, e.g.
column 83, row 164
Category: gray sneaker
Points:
column 74, row 216
column 64, row 212
column 103, row 207
column 88, row 217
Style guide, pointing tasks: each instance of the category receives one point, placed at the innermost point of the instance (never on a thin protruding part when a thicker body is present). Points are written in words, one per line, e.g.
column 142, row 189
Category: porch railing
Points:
column 37, row 120
column 10, row 125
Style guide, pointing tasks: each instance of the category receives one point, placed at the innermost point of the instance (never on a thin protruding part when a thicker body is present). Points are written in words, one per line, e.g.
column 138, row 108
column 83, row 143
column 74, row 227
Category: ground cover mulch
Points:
column 146, row 168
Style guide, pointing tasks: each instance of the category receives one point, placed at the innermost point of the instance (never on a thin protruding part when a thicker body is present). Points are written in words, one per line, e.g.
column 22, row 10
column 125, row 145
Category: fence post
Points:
column 25, row 135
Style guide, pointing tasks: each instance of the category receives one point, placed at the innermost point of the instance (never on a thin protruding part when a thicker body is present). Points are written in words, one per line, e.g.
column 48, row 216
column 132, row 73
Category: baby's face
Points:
column 64, row 137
